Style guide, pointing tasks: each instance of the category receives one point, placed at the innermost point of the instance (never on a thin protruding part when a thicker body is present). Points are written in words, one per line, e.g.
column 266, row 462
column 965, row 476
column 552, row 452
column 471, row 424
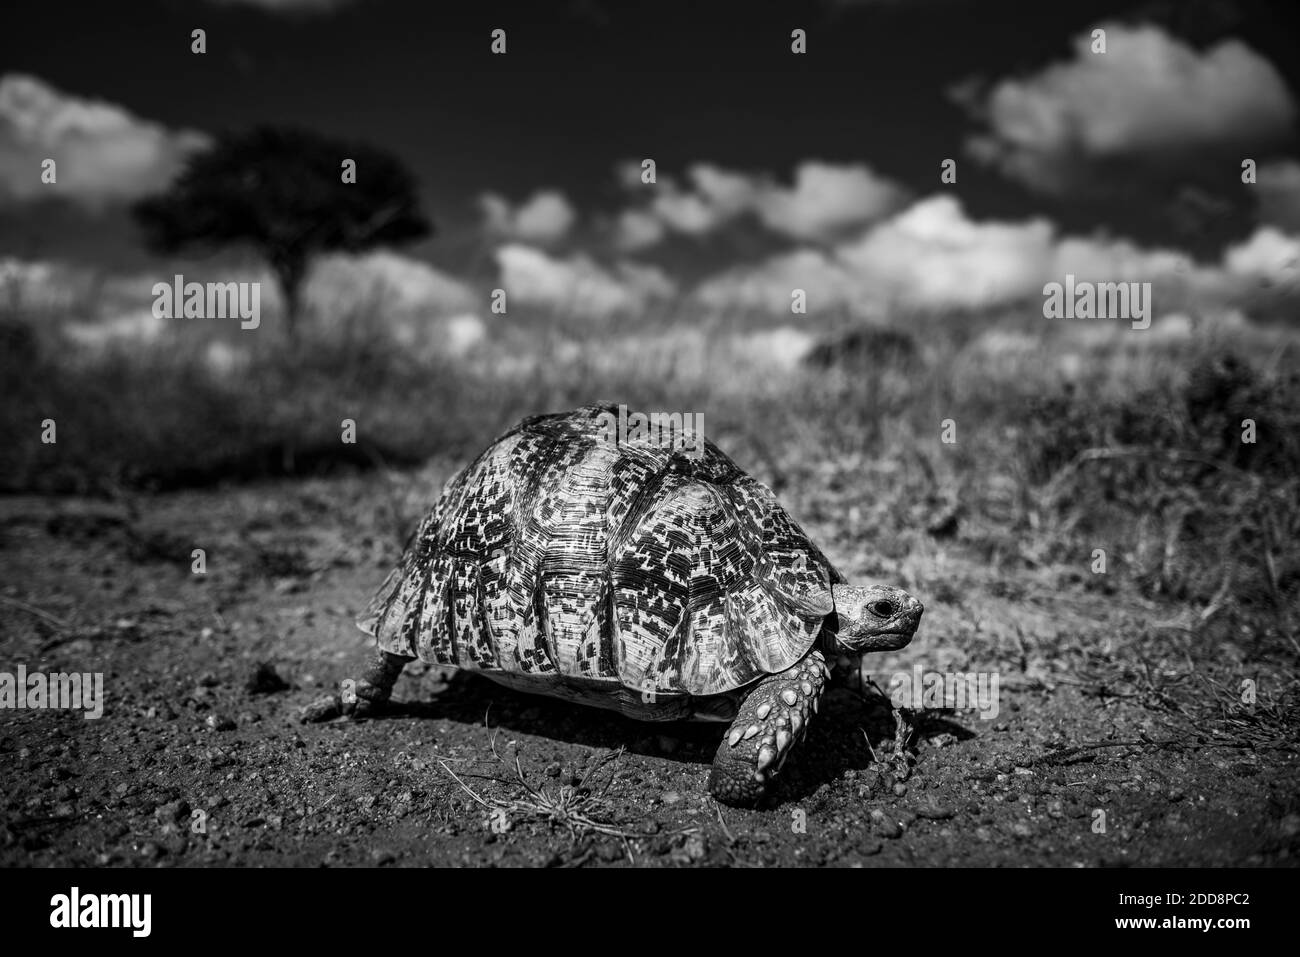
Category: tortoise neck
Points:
column 828, row 646
column 845, row 665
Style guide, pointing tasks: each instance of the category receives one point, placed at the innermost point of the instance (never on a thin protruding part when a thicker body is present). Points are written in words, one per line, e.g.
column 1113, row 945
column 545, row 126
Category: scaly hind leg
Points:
column 771, row 721
column 361, row 697
column 368, row 695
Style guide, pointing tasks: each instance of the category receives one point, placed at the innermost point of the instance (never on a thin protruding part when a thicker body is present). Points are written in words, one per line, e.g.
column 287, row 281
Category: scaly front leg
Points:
column 771, row 721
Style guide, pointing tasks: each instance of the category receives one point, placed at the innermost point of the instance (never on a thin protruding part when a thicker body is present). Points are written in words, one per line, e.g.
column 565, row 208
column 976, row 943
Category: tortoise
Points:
column 655, row 580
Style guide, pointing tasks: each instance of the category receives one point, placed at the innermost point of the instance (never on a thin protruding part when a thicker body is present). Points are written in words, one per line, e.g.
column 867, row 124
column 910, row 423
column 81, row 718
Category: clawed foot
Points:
column 362, row 699
column 771, row 721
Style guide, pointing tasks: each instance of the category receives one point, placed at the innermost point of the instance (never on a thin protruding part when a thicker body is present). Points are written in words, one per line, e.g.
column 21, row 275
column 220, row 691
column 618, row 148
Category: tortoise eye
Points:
column 881, row 609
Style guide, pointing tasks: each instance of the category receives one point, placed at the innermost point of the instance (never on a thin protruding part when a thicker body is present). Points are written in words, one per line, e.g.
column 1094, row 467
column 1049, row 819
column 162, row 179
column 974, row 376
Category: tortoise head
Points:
column 874, row 617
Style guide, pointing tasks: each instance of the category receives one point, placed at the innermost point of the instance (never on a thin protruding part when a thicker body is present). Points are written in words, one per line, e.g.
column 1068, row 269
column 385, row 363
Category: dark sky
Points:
column 585, row 84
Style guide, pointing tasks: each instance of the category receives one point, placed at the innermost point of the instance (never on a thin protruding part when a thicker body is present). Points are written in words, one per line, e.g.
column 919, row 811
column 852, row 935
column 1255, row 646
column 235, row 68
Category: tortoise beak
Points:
column 889, row 640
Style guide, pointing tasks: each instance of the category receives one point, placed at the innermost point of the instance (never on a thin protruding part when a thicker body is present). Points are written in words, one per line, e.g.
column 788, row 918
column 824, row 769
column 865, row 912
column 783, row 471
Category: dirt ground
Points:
column 1100, row 755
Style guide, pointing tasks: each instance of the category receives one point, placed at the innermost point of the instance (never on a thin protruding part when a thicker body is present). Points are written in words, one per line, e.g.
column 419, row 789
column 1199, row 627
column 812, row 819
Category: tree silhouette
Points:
column 281, row 191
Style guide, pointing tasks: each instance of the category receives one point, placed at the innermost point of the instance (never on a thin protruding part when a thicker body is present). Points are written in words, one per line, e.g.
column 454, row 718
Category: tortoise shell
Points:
column 558, row 558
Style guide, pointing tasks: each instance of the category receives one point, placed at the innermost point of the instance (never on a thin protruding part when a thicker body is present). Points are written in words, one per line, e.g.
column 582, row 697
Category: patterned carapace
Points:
column 558, row 554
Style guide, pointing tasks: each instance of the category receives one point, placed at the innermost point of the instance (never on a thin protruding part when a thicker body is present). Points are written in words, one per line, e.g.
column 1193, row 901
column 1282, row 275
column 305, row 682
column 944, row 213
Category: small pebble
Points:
column 219, row 722
column 884, row 825
column 322, row 709
column 172, row 811
column 264, row 679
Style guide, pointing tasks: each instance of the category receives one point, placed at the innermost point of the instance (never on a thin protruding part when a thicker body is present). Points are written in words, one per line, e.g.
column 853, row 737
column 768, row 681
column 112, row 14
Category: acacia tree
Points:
column 281, row 190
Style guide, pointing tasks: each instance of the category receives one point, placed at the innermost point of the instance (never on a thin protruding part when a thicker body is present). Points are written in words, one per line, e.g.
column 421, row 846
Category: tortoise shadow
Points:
column 838, row 742
column 470, row 699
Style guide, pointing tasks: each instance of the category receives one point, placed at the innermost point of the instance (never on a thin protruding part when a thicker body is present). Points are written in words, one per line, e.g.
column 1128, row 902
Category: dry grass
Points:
column 1070, row 437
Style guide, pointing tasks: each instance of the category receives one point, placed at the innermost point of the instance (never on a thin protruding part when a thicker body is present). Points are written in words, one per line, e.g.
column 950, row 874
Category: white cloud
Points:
column 380, row 293
column 544, row 218
column 578, row 284
column 338, row 286
column 1118, row 260
column 828, row 283
column 636, row 229
column 1149, row 95
column 102, row 153
column 728, row 192
column 932, row 256
column 1278, row 184
column 385, row 282
column 684, row 211
column 645, row 282
column 1268, row 254
column 1178, row 281
column 825, row 201
column 391, row 291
